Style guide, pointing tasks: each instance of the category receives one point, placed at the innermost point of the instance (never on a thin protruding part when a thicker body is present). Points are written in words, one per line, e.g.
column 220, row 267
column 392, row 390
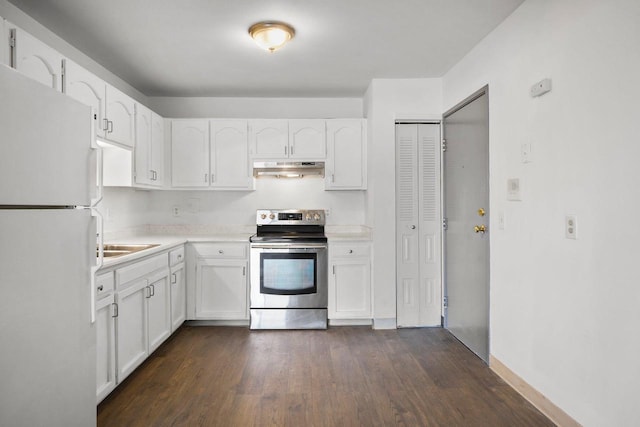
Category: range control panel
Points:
column 290, row 217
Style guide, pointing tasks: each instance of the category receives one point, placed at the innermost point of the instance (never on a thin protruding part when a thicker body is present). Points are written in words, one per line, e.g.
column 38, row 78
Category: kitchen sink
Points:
column 116, row 250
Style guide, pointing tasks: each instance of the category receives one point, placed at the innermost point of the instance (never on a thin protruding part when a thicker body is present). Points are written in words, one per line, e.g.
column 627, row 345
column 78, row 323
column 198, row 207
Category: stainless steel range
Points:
column 289, row 270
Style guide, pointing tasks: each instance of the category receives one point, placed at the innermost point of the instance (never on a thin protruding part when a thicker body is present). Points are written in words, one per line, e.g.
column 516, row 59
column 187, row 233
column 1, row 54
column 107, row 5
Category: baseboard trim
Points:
column 383, row 323
column 350, row 322
column 537, row 399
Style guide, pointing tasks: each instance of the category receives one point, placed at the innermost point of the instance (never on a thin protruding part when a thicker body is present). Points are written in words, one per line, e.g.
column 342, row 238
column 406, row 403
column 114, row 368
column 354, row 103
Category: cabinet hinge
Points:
column 12, row 38
column 445, row 224
column 444, row 145
column 445, row 302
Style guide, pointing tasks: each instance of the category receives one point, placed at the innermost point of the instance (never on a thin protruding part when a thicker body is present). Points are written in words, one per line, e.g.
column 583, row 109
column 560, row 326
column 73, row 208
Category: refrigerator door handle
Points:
column 94, row 269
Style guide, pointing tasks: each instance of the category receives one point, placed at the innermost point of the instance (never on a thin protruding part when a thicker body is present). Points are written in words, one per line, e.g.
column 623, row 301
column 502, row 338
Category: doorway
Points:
column 466, row 216
column 418, row 225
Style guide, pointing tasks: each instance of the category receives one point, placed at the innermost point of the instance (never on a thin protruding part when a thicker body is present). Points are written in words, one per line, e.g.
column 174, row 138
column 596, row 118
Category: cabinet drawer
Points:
column 176, row 256
column 221, row 250
column 349, row 250
column 141, row 268
column 105, row 283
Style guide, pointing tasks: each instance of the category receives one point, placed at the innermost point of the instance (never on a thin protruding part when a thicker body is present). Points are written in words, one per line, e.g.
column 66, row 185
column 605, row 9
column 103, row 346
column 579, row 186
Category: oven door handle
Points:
column 289, row 246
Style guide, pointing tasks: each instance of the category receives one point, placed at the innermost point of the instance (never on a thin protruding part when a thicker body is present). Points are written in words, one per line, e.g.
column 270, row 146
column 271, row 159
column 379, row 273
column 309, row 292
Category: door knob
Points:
column 413, row 227
column 480, row 228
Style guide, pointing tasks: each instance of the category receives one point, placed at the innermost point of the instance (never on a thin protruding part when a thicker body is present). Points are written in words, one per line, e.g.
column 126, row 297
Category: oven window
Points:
column 288, row 273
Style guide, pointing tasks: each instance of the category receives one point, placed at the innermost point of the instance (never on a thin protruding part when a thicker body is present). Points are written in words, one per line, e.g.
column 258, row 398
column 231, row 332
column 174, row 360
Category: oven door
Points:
column 288, row 275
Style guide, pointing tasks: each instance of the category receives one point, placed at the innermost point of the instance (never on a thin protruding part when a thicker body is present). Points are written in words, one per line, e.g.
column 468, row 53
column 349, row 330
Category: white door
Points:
column 156, row 160
column 159, row 310
column 87, row 88
column 178, row 297
column 144, row 175
column 120, row 112
column 42, row 162
column 221, row 289
column 4, row 47
column 466, row 195
column 418, row 224
column 307, row 139
column 105, row 349
column 190, row 153
column 48, row 344
column 132, row 327
column 37, row 60
column 346, row 155
column 269, row 139
column 230, row 155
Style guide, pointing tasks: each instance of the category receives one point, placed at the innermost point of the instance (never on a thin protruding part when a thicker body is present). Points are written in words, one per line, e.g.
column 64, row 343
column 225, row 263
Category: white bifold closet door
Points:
column 418, row 225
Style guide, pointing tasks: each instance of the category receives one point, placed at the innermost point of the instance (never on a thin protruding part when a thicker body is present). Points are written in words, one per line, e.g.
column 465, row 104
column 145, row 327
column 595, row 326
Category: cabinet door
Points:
column 131, row 327
column 307, row 139
column 157, row 150
column 159, row 310
column 350, row 289
column 346, row 155
column 230, row 155
column 85, row 87
column 190, row 153
column 178, row 297
column 269, row 139
column 105, row 348
column 35, row 59
column 143, row 173
column 120, row 114
column 221, row 289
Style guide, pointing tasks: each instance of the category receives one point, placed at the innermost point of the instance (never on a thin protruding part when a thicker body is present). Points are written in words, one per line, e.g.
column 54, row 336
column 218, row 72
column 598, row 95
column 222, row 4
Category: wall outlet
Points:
column 571, row 227
column 176, row 210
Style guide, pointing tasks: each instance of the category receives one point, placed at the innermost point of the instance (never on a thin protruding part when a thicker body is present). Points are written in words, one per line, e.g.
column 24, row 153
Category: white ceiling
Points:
column 202, row 48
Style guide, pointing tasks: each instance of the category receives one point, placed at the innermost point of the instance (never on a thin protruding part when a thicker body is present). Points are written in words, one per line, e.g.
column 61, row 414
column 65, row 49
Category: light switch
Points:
column 571, row 227
column 525, row 153
column 513, row 189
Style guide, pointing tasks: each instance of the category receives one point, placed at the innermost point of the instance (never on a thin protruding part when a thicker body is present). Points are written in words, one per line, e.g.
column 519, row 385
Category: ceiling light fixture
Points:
column 271, row 35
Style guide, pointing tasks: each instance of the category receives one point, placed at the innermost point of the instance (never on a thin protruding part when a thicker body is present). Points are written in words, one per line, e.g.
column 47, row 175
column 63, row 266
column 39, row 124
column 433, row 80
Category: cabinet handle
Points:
column 105, row 124
column 174, row 278
column 110, row 130
column 100, row 288
column 180, row 256
column 292, row 150
column 148, row 288
column 206, row 178
column 213, row 178
column 244, row 271
column 115, row 309
column 153, row 290
column 350, row 251
column 333, row 267
column 220, row 251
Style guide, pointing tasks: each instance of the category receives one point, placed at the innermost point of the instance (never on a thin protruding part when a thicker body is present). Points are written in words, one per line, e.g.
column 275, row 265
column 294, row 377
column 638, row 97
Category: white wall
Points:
column 386, row 101
column 565, row 313
column 268, row 108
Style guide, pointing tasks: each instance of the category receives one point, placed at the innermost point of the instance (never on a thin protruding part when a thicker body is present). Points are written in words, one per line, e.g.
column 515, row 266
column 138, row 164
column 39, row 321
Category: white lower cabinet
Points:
column 349, row 281
column 143, row 311
column 106, row 336
column 218, row 281
column 178, row 289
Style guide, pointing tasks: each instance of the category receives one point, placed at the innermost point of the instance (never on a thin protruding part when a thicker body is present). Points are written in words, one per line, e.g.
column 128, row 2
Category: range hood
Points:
column 288, row 169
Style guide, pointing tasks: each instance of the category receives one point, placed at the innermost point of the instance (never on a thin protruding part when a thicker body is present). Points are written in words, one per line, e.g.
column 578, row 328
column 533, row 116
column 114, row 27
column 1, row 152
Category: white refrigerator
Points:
column 47, row 250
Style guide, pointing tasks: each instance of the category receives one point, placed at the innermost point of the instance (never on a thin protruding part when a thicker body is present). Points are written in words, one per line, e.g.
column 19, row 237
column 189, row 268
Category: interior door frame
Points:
column 466, row 101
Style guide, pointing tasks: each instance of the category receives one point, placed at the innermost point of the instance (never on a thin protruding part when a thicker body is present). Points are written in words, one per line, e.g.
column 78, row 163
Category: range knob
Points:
column 272, row 215
column 316, row 216
column 263, row 216
column 308, row 217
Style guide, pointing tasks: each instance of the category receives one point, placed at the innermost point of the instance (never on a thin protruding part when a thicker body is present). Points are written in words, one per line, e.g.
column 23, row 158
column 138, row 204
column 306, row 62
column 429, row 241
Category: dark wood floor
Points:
column 345, row 376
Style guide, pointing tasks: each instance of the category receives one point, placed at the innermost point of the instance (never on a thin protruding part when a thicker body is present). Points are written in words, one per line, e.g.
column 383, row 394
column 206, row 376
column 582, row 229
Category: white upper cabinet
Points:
column 269, row 139
column 35, row 59
column 85, row 87
column 230, row 168
column 288, row 139
column 120, row 117
column 307, row 139
column 149, row 165
column 190, row 153
column 346, row 155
